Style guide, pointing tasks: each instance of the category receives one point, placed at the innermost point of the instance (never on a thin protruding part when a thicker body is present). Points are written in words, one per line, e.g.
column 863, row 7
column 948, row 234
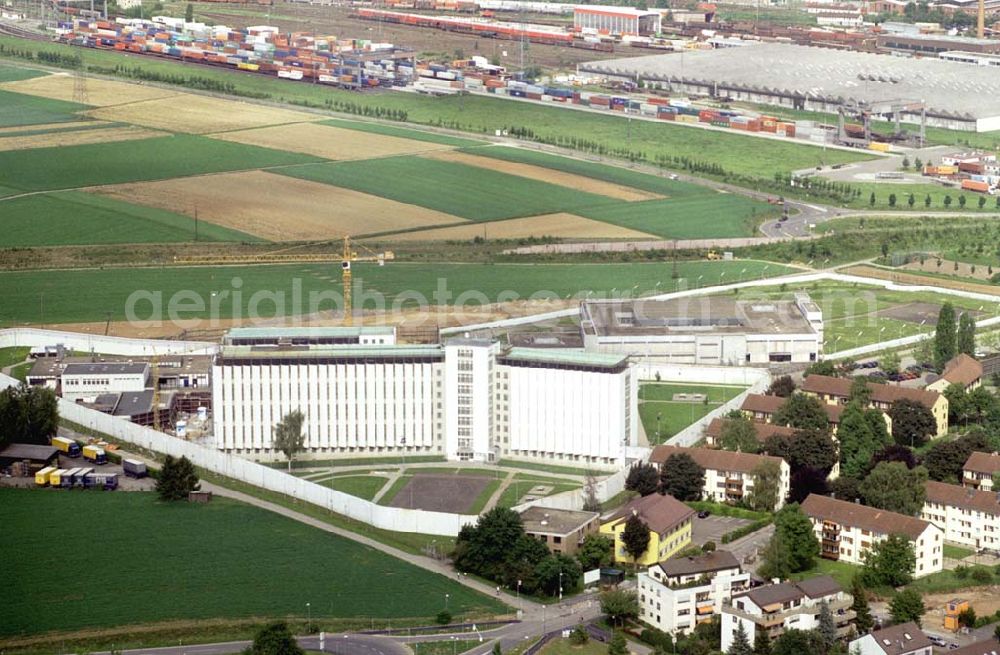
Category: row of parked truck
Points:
column 85, row 477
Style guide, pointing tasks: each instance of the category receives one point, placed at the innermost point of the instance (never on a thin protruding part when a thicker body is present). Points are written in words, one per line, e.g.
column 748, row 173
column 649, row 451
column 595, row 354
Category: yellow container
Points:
column 42, row 476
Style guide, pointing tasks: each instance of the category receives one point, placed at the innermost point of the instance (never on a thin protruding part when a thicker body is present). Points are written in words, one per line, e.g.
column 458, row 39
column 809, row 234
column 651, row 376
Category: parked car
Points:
column 703, row 514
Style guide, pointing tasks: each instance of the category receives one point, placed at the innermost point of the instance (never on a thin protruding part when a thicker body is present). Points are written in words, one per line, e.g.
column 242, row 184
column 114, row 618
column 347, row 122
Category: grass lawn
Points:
column 72, row 218
column 664, row 391
column 14, row 355
column 734, row 152
column 662, row 417
column 402, row 132
column 484, row 496
column 957, row 552
column 551, row 468
column 362, row 486
column 920, row 192
column 474, row 193
column 944, row 582
column 709, row 215
column 443, row 647
column 842, row 572
column 42, row 169
column 522, row 484
column 17, row 73
column 394, row 490
column 88, row 295
column 564, row 647
column 22, row 109
column 246, row 572
column 20, row 372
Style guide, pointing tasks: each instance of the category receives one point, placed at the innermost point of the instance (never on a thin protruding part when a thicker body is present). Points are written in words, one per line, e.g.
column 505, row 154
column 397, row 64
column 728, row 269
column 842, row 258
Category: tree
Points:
column 578, row 637
column 889, row 562
column 738, row 434
column 783, row 386
column 288, row 435
column 945, row 336
column 805, row 481
column 497, row 548
column 927, row 203
column 822, row 367
column 794, row 642
column 889, row 362
column 547, row 578
column 682, row 477
column 826, row 628
column 996, row 633
column 906, row 163
column 893, row 487
column 590, row 501
column 635, row 537
column 846, row 488
column 617, row 645
column 961, row 201
column 619, row 605
column 189, row 13
column 766, row 478
column 945, row 459
column 892, row 199
column 642, row 478
column 863, row 621
column 177, row 479
column 761, row 643
column 28, row 414
column 812, row 448
column 966, row 338
column 802, row 412
column 860, row 391
column 858, row 439
column 907, row 605
column 741, row 643
column 871, row 199
column 967, row 618
column 595, row 552
column 912, row 422
column 797, row 533
column 893, row 453
column 274, row 639
column 947, row 201
column 911, row 200
column 775, row 559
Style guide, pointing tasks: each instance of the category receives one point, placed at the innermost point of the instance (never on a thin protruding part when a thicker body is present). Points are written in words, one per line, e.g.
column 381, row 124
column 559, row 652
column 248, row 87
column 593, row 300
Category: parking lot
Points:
column 711, row 528
column 125, row 483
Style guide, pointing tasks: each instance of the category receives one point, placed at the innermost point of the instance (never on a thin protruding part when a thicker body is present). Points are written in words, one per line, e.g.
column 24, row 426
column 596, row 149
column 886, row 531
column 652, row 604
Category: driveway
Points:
column 711, row 528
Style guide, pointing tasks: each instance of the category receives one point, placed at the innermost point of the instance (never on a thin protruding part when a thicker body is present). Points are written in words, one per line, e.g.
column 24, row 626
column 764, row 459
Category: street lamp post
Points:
column 446, row 596
column 310, row 615
column 560, row 585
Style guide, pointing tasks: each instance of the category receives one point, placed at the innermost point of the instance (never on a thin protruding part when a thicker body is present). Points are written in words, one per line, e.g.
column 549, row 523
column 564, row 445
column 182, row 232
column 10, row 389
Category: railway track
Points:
column 7, row 29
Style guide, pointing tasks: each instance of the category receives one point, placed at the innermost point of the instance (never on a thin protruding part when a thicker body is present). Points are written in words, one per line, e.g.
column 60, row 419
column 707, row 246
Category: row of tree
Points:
column 28, row 414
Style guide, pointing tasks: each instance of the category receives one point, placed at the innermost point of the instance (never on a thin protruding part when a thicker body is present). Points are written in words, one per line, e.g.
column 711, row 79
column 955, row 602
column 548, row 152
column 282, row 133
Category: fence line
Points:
column 37, row 337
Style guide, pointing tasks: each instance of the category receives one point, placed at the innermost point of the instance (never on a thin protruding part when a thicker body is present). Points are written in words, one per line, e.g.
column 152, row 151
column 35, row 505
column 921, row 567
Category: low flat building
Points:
column 837, row 391
column 979, row 469
column 902, row 639
column 709, row 330
column 38, row 457
column 605, row 19
column 84, row 381
column 729, row 475
column 311, row 336
column 962, row 370
column 678, row 594
column 846, row 531
column 669, row 522
column 561, row 530
column 968, row 516
column 777, row 607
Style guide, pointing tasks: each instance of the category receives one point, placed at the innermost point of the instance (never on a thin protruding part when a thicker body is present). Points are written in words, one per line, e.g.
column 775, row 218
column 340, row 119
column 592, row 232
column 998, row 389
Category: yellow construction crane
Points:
column 347, row 258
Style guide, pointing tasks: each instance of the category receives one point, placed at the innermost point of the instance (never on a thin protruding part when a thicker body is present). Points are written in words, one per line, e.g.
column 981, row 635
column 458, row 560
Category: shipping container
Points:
column 42, row 476
column 975, row 185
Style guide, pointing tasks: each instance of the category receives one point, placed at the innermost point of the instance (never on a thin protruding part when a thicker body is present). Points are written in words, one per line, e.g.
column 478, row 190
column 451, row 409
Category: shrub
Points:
column 443, row 617
column 982, row 575
column 745, row 530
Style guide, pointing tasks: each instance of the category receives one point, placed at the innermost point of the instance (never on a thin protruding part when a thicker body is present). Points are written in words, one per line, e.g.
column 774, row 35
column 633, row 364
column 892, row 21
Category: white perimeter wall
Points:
column 35, row 337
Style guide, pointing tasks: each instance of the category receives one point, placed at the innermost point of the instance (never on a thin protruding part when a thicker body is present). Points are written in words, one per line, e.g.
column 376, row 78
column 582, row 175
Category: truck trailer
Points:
column 133, row 468
column 42, row 476
column 106, row 481
column 95, row 454
column 68, row 446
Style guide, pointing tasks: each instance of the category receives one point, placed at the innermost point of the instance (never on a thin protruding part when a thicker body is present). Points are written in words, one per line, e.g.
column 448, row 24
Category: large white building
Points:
column 968, row 516
column 778, row 607
column 89, row 380
column 467, row 399
column 679, row 593
column 708, row 330
column 847, row 530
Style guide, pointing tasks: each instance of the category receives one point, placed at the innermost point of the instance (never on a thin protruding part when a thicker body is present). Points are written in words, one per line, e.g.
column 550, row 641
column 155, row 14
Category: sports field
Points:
column 158, row 562
column 270, row 291
column 664, row 412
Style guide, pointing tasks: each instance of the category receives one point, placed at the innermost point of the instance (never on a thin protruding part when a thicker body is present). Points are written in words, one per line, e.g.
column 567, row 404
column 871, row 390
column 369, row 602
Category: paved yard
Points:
column 711, row 528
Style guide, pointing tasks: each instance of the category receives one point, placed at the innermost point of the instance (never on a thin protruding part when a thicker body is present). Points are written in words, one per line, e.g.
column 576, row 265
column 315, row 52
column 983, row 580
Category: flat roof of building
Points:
column 169, row 365
column 106, row 368
column 718, row 560
column 949, row 89
column 559, row 356
column 615, row 11
column 547, row 520
column 19, row 451
column 307, row 353
column 278, row 332
column 687, row 316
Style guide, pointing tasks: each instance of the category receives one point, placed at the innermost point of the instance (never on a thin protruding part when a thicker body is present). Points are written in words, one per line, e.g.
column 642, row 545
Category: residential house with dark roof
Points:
column 678, row 594
column 777, row 607
column 968, row 516
column 847, row 530
column 837, row 391
column 902, row 639
column 989, row 646
column 962, row 370
column 979, row 469
column 729, row 475
column 763, row 431
column 762, row 408
column 669, row 522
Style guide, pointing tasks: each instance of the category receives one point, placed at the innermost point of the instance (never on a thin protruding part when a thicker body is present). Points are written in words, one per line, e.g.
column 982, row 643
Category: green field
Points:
column 15, row 355
column 17, row 73
column 158, row 562
column 21, row 109
column 402, row 133
column 362, row 486
column 72, row 218
column 711, row 215
column 737, row 153
column 43, row 169
column 523, row 482
column 90, row 295
column 662, row 417
column 920, row 192
column 477, row 194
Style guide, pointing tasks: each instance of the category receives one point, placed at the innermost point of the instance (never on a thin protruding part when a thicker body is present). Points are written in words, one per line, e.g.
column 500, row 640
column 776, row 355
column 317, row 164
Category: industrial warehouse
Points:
column 950, row 94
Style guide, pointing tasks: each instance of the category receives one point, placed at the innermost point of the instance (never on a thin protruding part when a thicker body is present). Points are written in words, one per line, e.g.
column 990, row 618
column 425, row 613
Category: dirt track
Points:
column 911, row 278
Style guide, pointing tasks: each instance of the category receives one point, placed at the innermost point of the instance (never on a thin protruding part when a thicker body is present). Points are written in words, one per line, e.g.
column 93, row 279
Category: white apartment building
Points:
column 967, row 516
column 778, row 607
column 678, row 594
column 468, row 399
column 87, row 381
column 846, row 530
column 729, row 475
column 979, row 469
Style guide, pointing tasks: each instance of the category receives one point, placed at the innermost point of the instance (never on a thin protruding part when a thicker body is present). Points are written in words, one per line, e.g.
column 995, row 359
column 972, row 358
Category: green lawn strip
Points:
column 71, row 218
column 670, row 418
column 96, row 125
column 394, row 490
column 88, row 295
column 947, row 581
column 484, row 497
column 355, row 461
column 617, row 500
column 470, row 192
column 562, row 646
column 246, row 541
column 957, row 552
column 444, row 647
column 178, row 155
column 717, row 215
column 937, row 193
column 21, row 371
column 402, row 132
column 18, row 73
column 551, row 468
column 842, row 572
column 13, row 355
column 22, row 109
column 362, row 486
column 517, row 489
column 664, row 391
